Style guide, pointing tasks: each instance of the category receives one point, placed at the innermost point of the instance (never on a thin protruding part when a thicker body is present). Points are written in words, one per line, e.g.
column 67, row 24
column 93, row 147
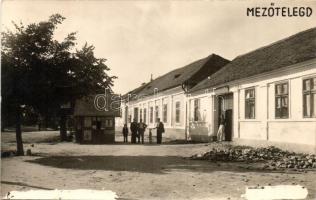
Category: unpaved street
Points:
column 135, row 171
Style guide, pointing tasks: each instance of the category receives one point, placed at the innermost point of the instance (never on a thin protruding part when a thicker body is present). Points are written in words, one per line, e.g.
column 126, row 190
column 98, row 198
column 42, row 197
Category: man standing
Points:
column 134, row 128
column 160, row 130
column 141, row 129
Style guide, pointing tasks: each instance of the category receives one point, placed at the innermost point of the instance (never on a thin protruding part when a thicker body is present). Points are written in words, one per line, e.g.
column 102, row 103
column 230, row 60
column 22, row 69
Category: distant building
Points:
column 165, row 98
column 267, row 96
column 94, row 124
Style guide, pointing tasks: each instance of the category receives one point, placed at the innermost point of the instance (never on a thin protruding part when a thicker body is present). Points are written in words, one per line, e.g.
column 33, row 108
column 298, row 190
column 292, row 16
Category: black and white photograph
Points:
column 151, row 99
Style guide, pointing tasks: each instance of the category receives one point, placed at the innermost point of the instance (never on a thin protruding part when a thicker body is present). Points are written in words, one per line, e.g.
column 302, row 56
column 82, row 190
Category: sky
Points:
column 139, row 38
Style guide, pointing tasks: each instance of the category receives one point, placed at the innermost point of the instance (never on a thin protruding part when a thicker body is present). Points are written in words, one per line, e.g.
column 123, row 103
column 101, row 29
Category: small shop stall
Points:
column 93, row 125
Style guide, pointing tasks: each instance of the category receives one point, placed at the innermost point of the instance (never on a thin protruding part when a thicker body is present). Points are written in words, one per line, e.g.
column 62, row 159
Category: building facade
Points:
column 165, row 97
column 94, row 125
column 267, row 96
column 167, row 105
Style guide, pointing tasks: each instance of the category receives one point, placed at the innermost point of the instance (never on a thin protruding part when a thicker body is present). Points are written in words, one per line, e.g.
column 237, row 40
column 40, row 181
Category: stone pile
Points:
column 274, row 158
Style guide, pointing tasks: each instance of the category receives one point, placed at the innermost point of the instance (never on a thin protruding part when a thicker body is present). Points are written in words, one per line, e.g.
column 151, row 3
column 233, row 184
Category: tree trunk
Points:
column 18, row 132
column 63, row 127
column 2, row 127
column 46, row 121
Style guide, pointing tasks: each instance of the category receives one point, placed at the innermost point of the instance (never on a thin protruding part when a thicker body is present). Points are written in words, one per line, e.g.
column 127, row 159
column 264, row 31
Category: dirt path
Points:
column 138, row 171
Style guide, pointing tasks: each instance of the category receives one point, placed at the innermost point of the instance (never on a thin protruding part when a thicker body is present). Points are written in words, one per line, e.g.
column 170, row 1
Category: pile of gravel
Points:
column 274, row 157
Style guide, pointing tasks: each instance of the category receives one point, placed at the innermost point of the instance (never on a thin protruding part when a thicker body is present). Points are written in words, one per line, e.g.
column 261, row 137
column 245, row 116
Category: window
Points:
column 165, row 113
column 145, row 115
column 250, row 102
column 109, row 123
column 282, row 100
column 87, row 122
column 140, row 114
column 98, row 123
column 151, row 115
column 178, row 112
column 196, row 109
column 156, row 113
column 309, row 97
column 135, row 114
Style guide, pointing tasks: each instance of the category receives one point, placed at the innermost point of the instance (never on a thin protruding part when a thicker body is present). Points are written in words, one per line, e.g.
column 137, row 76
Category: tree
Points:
column 43, row 73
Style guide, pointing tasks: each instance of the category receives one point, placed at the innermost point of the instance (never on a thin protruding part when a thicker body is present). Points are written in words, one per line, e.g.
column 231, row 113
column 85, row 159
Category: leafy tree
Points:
column 40, row 72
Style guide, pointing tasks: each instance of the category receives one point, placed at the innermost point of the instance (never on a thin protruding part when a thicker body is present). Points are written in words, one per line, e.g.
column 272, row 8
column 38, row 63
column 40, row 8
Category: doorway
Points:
column 225, row 108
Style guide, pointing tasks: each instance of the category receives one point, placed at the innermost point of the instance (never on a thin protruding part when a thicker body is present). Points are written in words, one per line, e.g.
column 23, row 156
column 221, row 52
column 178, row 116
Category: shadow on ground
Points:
column 25, row 185
column 144, row 164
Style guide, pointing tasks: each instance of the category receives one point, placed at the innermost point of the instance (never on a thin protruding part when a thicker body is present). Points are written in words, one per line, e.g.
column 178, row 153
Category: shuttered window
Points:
column 140, row 114
column 196, row 109
column 136, row 114
column 165, row 113
column 250, row 103
column 145, row 115
column 309, row 97
column 177, row 112
column 151, row 115
column 282, row 100
column 156, row 113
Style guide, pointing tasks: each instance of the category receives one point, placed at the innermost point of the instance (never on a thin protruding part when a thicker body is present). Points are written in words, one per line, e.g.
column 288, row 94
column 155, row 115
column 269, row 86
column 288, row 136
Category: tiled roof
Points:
column 295, row 49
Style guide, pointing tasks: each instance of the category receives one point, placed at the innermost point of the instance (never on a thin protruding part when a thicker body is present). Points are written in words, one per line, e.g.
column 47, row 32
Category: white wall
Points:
column 202, row 128
column 170, row 98
column 265, row 126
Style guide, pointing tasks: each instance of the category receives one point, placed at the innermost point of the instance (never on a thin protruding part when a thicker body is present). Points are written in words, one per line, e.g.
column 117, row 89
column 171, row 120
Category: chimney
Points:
column 151, row 77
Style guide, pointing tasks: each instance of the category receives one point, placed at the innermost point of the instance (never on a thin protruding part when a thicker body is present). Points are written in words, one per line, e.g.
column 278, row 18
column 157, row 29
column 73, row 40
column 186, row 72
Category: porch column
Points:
column 171, row 110
column 262, row 107
column 236, row 114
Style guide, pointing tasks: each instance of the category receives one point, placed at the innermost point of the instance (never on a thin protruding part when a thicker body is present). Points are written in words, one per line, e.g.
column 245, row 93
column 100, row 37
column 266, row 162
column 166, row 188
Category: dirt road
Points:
column 137, row 171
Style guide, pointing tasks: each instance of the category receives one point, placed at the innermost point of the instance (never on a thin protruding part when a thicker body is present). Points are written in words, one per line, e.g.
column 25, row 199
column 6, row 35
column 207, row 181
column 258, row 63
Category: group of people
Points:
column 138, row 130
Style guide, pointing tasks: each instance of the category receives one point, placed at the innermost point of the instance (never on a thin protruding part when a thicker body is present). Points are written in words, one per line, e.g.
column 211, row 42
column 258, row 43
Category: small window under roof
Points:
column 148, row 87
column 177, row 75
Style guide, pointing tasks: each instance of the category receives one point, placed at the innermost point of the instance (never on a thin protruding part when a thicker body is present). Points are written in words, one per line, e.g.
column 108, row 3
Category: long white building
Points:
column 268, row 96
column 165, row 96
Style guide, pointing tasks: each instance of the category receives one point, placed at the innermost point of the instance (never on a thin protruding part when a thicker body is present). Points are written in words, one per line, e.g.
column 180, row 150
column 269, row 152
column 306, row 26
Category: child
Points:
column 125, row 133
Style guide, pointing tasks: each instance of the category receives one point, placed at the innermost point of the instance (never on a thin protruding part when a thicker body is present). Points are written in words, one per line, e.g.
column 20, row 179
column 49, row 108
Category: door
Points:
column 228, row 116
column 225, row 108
column 221, row 108
column 228, row 124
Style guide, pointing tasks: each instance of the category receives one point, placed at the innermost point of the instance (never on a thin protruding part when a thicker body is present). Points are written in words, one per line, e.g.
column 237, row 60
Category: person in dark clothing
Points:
column 134, row 129
column 141, row 129
column 160, row 129
column 125, row 133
